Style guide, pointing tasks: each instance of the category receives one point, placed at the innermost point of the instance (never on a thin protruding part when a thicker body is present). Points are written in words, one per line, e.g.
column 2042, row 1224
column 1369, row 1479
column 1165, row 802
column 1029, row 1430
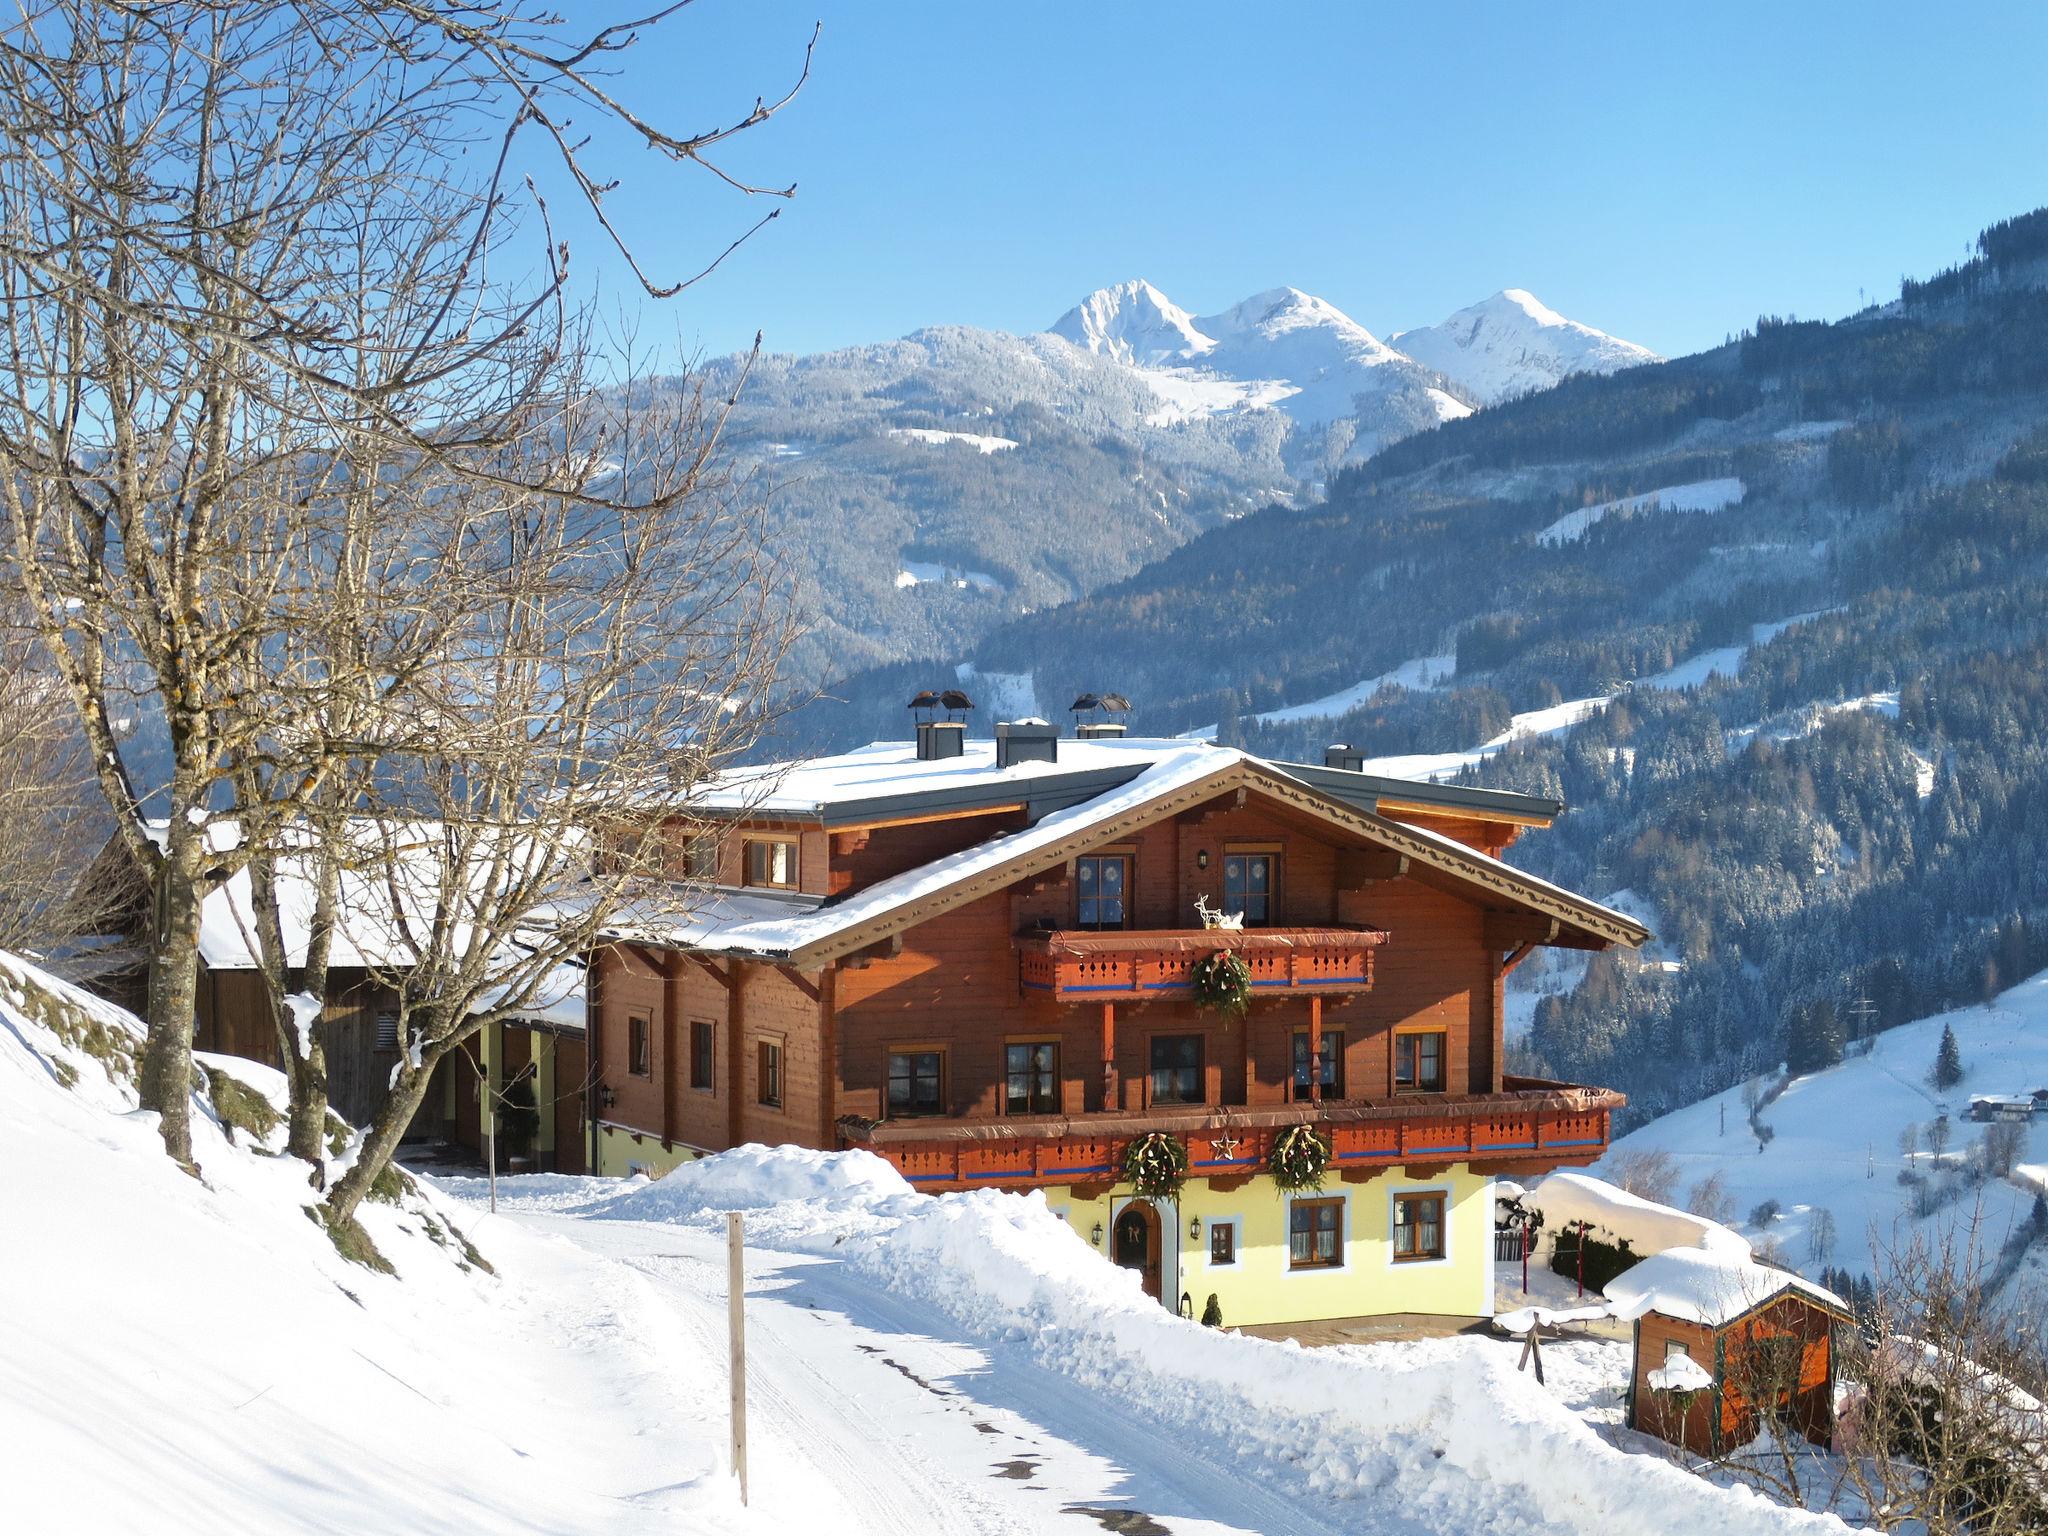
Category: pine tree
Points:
column 1948, row 1060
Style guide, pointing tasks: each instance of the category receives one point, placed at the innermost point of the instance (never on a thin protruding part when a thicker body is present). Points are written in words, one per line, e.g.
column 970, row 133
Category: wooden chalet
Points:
column 973, row 958
column 1762, row 1340
column 360, row 1022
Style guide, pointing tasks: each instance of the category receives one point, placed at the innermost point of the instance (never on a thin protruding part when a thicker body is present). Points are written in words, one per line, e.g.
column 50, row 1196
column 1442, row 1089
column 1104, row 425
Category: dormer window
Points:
column 771, row 862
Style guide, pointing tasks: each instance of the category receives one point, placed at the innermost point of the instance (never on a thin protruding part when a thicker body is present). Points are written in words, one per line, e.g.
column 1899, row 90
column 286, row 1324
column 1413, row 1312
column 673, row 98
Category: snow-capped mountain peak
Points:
column 1280, row 311
column 1133, row 323
column 1512, row 343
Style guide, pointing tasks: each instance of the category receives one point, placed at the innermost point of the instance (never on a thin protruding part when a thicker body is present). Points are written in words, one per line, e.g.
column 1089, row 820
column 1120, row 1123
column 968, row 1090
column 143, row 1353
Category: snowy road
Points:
column 869, row 1415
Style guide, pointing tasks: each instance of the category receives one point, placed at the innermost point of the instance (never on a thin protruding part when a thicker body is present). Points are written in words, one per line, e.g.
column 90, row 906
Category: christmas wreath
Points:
column 1156, row 1164
column 1301, row 1156
column 1223, row 982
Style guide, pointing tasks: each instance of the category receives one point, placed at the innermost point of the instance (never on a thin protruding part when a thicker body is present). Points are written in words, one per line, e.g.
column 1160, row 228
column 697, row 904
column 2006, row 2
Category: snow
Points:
column 1567, row 1197
column 1710, row 1286
column 980, row 442
column 1522, row 1319
column 306, row 1010
column 192, row 1355
column 1725, row 661
column 1548, row 721
column 1420, row 674
column 1007, row 1320
column 1134, row 323
column 1512, row 343
column 1681, row 1373
column 1836, row 1141
column 917, row 573
column 1693, row 496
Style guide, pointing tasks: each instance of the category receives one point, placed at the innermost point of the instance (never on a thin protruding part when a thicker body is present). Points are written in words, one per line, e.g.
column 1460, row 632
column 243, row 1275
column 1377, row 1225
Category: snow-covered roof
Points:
column 1648, row 1228
column 1710, row 1287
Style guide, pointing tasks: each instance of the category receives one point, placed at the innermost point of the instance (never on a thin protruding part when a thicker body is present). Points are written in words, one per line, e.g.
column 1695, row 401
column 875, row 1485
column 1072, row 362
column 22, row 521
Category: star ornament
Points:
column 1224, row 1146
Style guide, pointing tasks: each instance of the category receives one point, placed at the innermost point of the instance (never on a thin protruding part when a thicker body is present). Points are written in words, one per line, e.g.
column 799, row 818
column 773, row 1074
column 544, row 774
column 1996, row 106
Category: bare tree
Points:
column 1710, row 1198
column 1820, row 1235
column 1652, row 1174
column 1938, row 1132
column 191, row 194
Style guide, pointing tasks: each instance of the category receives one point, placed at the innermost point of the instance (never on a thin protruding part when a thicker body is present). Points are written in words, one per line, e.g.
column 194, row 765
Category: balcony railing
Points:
column 1142, row 963
column 1533, row 1126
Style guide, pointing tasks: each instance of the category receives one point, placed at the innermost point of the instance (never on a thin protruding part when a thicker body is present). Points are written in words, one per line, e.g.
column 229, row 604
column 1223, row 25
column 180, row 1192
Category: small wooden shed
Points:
column 1721, row 1341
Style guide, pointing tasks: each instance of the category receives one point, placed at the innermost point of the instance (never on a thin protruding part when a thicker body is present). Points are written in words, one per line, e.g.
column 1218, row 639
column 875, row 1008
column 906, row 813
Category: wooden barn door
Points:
column 572, row 1058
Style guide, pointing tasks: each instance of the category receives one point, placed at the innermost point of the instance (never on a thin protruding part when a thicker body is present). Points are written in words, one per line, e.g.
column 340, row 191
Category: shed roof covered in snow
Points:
column 1712, row 1288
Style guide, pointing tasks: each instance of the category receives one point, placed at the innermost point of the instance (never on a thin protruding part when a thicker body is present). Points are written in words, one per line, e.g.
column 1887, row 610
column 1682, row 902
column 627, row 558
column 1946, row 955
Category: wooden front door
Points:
column 571, row 1066
column 1135, row 1243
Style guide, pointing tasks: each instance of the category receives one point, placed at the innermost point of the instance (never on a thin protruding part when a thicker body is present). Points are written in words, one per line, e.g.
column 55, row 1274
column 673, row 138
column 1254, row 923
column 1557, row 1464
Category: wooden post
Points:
column 1315, row 1048
column 673, row 1047
column 828, row 1058
column 1109, row 1056
column 735, row 1049
column 735, row 1292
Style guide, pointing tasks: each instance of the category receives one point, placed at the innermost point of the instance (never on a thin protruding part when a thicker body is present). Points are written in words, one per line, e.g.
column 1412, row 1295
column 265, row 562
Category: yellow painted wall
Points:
column 620, row 1153
column 1260, row 1288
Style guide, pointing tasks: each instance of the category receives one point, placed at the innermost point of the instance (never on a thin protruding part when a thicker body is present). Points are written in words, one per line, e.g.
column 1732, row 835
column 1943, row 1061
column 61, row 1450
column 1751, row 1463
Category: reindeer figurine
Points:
column 1213, row 917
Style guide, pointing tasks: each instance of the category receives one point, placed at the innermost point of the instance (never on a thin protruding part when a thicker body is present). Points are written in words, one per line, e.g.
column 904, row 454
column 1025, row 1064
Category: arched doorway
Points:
column 1134, row 1243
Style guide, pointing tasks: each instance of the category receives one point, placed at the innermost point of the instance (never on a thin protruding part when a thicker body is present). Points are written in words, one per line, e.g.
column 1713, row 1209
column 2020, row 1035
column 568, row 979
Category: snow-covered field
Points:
column 1835, row 1145
column 188, row 1355
column 981, row 442
column 918, row 573
column 1694, row 496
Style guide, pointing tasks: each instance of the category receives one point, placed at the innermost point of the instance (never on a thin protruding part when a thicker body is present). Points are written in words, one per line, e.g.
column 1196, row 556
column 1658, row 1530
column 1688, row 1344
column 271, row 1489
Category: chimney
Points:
column 1026, row 741
column 1341, row 754
column 1106, row 729
column 937, row 739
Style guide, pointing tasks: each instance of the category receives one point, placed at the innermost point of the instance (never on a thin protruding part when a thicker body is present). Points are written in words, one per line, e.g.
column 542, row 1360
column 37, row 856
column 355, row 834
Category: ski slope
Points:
column 1835, row 1143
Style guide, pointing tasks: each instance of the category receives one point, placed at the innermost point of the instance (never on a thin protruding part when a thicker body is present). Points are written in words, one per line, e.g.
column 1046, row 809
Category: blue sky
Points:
column 1663, row 172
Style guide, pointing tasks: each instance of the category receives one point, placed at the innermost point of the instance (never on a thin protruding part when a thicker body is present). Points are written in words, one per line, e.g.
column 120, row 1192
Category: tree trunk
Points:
column 387, row 1128
column 165, row 1081
column 307, row 1137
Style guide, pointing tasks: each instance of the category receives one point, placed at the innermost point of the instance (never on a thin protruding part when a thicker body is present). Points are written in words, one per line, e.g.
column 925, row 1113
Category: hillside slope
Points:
column 189, row 1355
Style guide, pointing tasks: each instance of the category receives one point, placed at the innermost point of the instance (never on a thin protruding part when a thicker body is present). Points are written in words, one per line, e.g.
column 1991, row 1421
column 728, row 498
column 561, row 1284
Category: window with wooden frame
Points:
column 768, row 1073
column 1222, row 1244
column 1177, row 1069
column 640, row 1045
column 1251, row 884
column 1315, row 1234
column 917, row 1083
column 1332, row 1065
column 700, row 856
column 1419, row 1058
column 1102, row 883
column 771, row 862
column 1676, row 1349
column 1418, row 1228
column 1031, row 1077
column 701, row 1048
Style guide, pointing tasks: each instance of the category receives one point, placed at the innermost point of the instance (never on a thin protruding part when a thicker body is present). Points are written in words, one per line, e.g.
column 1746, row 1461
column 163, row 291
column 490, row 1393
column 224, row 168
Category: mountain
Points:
column 924, row 491
column 1771, row 619
column 1511, row 344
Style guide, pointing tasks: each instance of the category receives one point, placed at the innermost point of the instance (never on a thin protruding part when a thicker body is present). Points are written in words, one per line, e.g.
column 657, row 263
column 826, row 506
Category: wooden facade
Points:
column 1368, row 942
column 1775, row 1360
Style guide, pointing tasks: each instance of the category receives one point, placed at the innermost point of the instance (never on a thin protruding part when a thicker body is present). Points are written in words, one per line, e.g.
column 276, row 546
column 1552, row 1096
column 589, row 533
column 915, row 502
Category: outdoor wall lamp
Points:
column 1195, row 1229
column 1201, row 858
column 1096, row 1235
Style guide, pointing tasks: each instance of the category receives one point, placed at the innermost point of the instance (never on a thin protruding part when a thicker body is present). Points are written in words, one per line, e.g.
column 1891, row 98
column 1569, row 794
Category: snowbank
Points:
column 193, row 1355
column 1647, row 1227
column 1471, row 1444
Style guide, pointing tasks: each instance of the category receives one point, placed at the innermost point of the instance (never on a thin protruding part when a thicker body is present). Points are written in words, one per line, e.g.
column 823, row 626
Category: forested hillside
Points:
column 1802, row 580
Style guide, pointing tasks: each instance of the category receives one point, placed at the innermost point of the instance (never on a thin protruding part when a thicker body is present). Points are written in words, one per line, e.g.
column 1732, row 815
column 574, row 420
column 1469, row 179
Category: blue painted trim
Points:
column 1227, row 1162
column 1587, row 1141
column 1091, row 1168
column 1506, row 1146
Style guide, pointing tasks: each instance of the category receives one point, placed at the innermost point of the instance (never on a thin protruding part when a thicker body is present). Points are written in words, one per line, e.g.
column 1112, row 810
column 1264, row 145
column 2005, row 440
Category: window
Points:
column 1332, row 1073
column 1248, row 885
column 1176, row 1069
column 1315, row 1234
column 387, row 1032
column 771, row 861
column 1418, row 1227
column 1100, row 881
column 1674, row 1350
column 639, row 1047
column 700, row 1054
column 768, row 1073
column 1419, row 1062
column 700, row 857
column 1031, row 1078
column 916, row 1083
column 1222, row 1243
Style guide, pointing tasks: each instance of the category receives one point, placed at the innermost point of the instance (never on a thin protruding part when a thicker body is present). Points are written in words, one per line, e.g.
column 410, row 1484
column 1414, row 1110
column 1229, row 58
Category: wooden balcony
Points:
column 1140, row 963
column 1531, row 1127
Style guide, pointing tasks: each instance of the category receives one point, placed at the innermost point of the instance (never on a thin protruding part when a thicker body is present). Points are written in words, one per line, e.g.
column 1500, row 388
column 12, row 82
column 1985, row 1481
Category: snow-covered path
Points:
column 869, row 1414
